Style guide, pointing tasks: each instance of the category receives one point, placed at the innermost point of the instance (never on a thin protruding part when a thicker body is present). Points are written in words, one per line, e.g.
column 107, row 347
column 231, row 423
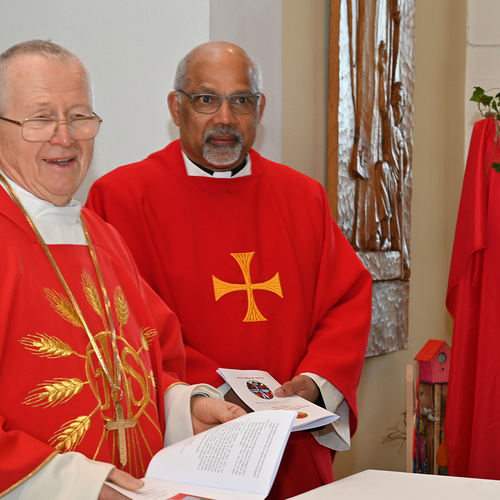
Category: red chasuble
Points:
column 472, row 414
column 258, row 273
column 54, row 395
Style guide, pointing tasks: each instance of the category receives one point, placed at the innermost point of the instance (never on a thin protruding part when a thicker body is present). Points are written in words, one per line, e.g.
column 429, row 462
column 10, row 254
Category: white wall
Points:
column 132, row 47
column 256, row 26
column 483, row 55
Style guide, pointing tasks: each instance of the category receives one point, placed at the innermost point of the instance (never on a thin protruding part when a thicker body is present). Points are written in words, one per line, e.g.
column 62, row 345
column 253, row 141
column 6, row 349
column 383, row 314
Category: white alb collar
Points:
column 194, row 171
column 57, row 225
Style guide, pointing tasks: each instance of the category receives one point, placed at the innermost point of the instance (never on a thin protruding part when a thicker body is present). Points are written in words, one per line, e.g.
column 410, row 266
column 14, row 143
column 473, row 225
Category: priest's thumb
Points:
column 125, row 480
column 280, row 392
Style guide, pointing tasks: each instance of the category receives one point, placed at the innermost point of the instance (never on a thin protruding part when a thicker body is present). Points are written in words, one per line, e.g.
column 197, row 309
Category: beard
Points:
column 222, row 155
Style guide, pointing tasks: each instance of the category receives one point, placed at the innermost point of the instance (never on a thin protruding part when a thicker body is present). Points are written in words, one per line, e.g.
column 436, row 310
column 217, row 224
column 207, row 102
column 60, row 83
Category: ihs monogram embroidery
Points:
column 272, row 285
column 139, row 387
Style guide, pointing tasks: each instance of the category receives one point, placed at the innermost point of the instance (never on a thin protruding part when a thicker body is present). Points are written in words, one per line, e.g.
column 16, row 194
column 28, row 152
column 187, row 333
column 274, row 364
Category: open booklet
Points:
column 237, row 460
column 256, row 389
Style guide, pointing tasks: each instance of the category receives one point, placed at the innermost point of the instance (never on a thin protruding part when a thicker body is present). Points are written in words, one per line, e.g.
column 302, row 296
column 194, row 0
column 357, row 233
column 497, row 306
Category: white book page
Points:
column 156, row 489
column 235, row 460
column 256, row 389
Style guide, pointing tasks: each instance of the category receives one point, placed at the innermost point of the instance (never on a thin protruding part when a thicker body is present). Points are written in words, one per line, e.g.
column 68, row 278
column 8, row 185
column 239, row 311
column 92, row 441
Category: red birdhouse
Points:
column 434, row 362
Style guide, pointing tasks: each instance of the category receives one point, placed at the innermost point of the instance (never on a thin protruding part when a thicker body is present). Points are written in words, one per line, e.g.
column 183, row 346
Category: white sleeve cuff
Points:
column 68, row 475
column 335, row 436
column 178, row 410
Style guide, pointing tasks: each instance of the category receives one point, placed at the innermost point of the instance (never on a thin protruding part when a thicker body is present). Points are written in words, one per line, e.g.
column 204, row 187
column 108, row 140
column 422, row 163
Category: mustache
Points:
column 223, row 130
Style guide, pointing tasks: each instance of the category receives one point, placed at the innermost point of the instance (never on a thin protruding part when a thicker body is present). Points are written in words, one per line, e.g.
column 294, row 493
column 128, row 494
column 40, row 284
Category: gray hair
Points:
column 45, row 48
column 181, row 80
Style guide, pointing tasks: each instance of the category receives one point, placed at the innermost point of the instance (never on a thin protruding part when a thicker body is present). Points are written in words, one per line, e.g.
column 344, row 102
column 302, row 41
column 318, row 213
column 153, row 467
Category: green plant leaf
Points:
column 477, row 94
column 496, row 166
column 485, row 99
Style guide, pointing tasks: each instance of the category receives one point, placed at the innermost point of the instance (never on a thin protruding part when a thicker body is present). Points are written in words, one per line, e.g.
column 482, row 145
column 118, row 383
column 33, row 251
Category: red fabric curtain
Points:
column 472, row 424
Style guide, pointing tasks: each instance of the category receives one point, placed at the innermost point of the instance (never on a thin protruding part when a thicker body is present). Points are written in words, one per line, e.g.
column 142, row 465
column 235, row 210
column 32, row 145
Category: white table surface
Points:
column 387, row 485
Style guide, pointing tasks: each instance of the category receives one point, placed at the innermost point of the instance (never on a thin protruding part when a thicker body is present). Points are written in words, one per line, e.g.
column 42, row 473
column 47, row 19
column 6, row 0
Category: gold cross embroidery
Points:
column 120, row 424
column 272, row 285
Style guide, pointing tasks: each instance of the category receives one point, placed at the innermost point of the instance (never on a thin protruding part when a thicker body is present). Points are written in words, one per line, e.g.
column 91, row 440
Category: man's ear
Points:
column 262, row 104
column 174, row 106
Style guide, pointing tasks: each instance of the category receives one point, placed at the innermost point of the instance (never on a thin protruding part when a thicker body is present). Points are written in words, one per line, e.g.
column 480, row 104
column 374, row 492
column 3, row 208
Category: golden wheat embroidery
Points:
column 91, row 293
column 121, row 306
column 63, row 306
column 154, row 381
column 147, row 335
column 71, row 434
column 54, row 392
column 46, row 346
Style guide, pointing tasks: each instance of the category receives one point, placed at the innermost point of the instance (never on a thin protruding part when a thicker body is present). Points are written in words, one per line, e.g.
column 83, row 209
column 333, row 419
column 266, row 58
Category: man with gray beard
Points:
column 221, row 156
column 246, row 253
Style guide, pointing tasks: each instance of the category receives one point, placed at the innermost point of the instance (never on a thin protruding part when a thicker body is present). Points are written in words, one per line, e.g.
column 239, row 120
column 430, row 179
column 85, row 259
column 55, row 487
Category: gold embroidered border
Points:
column 30, row 475
column 172, row 385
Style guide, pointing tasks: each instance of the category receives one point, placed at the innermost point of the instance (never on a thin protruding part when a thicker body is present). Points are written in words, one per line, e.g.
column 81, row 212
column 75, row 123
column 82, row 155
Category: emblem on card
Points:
column 259, row 389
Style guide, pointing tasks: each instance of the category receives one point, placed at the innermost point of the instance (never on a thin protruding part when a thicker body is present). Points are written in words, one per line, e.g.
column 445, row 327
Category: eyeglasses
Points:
column 242, row 104
column 81, row 128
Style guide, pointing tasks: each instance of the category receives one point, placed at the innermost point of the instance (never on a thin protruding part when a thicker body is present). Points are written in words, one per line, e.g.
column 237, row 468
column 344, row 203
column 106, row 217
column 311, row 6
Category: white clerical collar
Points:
column 57, row 225
column 193, row 170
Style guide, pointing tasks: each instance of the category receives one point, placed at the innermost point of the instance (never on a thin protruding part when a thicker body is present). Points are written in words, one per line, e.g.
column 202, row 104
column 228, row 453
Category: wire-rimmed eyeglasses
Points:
column 241, row 104
column 81, row 128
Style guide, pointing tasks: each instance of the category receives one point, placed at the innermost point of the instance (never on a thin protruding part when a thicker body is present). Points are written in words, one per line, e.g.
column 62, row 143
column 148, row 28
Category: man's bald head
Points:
column 210, row 51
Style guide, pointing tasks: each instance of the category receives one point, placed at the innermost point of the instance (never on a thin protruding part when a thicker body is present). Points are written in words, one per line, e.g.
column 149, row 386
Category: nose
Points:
column 62, row 135
column 224, row 114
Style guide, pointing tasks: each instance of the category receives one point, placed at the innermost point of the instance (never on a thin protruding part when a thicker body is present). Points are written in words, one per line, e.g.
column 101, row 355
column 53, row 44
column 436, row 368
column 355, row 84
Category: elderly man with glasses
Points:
column 89, row 355
column 246, row 253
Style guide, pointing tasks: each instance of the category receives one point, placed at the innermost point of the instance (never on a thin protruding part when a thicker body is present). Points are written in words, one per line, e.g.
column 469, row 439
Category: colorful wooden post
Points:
column 434, row 366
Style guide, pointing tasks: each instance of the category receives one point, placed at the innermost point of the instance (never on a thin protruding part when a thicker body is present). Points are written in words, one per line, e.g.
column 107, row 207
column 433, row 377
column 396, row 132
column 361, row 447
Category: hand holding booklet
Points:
column 237, row 460
column 256, row 389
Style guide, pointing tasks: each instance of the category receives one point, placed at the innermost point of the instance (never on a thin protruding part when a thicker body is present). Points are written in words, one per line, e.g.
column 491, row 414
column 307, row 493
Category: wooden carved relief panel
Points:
column 370, row 115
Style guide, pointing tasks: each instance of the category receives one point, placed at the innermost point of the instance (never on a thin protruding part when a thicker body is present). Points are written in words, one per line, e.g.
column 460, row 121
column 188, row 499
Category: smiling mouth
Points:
column 61, row 161
column 222, row 136
column 227, row 139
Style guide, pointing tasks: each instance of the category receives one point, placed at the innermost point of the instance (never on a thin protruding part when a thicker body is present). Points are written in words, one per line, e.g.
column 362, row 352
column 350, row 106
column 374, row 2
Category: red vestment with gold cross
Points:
column 258, row 273
column 54, row 394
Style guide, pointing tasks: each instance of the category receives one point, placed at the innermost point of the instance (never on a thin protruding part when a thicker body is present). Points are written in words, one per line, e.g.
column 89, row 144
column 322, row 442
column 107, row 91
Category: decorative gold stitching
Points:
column 121, row 306
column 71, row 434
column 47, row 346
column 92, row 294
column 272, row 285
column 54, row 392
column 173, row 385
column 63, row 306
column 59, row 390
column 147, row 335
